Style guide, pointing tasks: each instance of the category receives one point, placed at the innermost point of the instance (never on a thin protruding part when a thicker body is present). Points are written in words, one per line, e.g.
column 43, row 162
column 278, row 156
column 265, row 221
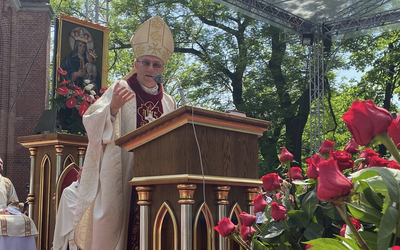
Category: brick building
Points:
column 24, row 81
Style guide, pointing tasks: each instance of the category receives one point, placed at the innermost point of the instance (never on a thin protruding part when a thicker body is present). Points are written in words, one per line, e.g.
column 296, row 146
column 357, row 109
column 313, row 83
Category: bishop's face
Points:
column 147, row 67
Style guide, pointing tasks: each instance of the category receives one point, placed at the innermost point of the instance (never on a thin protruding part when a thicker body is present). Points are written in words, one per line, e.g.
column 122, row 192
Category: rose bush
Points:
column 349, row 201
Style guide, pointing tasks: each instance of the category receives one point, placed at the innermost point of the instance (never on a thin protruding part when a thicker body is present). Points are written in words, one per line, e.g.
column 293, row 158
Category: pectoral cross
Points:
column 149, row 117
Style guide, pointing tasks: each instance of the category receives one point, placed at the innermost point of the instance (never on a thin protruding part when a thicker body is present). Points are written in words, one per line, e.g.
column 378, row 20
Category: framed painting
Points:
column 81, row 51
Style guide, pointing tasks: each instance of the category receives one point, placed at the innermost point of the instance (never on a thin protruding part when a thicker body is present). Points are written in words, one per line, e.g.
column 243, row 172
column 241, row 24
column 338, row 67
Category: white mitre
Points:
column 152, row 38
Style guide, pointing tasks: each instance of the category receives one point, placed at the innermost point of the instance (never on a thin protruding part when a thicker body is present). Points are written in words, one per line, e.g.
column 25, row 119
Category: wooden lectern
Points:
column 193, row 167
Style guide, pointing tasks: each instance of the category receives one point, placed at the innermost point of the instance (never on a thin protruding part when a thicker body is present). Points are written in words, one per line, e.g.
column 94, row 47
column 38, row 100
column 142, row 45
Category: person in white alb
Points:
column 102, row 211
column 64, row 230
column 17, row 230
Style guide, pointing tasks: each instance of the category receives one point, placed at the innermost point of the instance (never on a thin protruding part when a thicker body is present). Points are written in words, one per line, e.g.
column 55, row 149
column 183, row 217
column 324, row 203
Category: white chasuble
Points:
column 102, row 211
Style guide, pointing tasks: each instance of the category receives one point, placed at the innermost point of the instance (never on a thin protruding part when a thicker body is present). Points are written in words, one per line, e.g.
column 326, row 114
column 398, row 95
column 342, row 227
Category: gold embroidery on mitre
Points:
column 156, row 36
column 154, row 49
column 157, row 23
column 3, row 224
column 139, row 50
column 27, row 225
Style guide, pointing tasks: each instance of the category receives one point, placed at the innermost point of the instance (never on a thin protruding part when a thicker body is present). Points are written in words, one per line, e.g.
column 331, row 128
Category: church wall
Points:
column 24, row 26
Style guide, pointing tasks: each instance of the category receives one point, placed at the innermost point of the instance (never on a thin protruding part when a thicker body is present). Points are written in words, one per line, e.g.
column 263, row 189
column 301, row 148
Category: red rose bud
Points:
column 343, row 231
column 365, row 120
column 326, row 147
column 62, row 90
column 332, row 183
column 246, row 231
column 378, row 162
column 313, row 169
column 352, row 147
column 394, row 132
column 271, row 182
column 356, row 223
column 343, row 159
column 61, row 71
column 225, row 227
column 259, row 203
column 296, row 173
column 285, row 155
column 247, row 219
column 277, row 212
column 367, row 154
column 71, row 102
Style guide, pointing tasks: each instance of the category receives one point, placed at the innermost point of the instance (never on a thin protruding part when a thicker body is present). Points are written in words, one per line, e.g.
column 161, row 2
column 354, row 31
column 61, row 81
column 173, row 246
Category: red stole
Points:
column 147, row 104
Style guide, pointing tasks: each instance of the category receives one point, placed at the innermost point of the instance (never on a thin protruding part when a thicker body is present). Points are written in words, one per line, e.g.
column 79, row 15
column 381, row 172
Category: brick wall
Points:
column 23, row 34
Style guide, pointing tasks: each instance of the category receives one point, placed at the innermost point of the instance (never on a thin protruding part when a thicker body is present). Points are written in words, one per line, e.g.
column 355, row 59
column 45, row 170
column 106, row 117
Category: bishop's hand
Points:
column 121, row 95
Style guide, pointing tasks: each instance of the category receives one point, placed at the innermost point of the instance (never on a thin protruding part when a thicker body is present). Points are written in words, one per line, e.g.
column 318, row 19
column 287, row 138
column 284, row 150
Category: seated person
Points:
column 17, row 230
column 64, row 231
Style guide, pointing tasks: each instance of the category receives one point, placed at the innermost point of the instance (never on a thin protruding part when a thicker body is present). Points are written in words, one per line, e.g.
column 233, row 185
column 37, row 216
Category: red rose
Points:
column 352, row 147
column 85, row 103
column 64, row 82
column 247, row 219
column 356, row 223
column 343, row 231
column 62, row 90
column 102, row 91
column 367, row 154
column 225, row 227
column 394, row 132
column 393, row 164
column 326, row 147
column 270, row 182
column 343, row 159
column 308, row 246
column 82, row 109
column 396, row 248
column 365, row 120
column 377, row 161
column 277, row 212
column 61, row 71
column 259, row 203
column 246, row 231
column 313, row 169
column 296, row 173
column 71, row 102
column 332, row 183
column 285, row 155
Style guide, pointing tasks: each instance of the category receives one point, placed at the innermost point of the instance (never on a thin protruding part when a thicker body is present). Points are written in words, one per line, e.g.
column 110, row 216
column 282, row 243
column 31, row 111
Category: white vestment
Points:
column 63, row 232
column 16, row 229
column 102, row 211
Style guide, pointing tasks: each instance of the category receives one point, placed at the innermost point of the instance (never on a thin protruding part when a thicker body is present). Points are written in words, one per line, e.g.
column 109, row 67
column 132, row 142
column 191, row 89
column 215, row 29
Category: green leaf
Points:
column 386, row 228
column 371, row 196
column 314, row 231
column 309, row 203
column 365, row 213
column 390, row 178
column 370, row 239
column 350, row 242
column 298, row 218
column 327, row 243
column 272, row 230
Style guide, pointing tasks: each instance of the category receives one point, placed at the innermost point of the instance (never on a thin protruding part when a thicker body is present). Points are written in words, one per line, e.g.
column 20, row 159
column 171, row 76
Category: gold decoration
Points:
column 251, row 193
column 186, row 192
column 33, row 152
column 59, row 149
column 144, row 195
column 157, row 230
column 221, row 195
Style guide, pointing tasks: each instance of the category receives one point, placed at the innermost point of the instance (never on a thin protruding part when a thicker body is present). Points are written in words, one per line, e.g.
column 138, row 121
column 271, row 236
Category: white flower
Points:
column 92, row 92
column 86, row 81
column 89, row 87
column 92, row 96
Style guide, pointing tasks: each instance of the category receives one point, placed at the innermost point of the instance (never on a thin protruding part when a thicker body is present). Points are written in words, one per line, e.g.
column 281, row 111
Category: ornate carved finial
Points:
column 81, row 151
column 59, row 149
column 221, row 195
column 33, row 152
column 144, row 195
column 186, row 192
column 251, row 193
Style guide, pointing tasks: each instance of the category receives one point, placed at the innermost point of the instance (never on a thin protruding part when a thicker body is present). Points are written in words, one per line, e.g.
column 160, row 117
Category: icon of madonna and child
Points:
column 80, row 62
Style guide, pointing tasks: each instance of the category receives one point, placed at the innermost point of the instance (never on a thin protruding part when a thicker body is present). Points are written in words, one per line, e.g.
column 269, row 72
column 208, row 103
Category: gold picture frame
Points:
column 82, row 51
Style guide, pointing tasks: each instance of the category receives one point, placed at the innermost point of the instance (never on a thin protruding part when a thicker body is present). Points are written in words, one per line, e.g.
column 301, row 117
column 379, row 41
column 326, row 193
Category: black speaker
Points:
column 47, row 122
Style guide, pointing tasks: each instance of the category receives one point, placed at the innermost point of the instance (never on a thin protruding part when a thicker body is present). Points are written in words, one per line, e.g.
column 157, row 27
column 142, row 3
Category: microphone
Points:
column 158, row 78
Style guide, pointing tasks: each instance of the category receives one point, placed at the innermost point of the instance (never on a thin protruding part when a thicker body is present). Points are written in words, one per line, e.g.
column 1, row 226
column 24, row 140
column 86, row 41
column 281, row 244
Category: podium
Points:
column 193, row 167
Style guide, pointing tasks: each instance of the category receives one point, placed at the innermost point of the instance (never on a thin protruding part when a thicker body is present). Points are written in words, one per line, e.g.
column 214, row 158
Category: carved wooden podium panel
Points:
column 52, row 156
column 175, row 212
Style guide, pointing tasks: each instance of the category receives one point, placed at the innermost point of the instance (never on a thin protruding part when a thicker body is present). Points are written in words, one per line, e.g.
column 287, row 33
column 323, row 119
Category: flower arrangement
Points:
column 351, row 199
column 74, row 101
